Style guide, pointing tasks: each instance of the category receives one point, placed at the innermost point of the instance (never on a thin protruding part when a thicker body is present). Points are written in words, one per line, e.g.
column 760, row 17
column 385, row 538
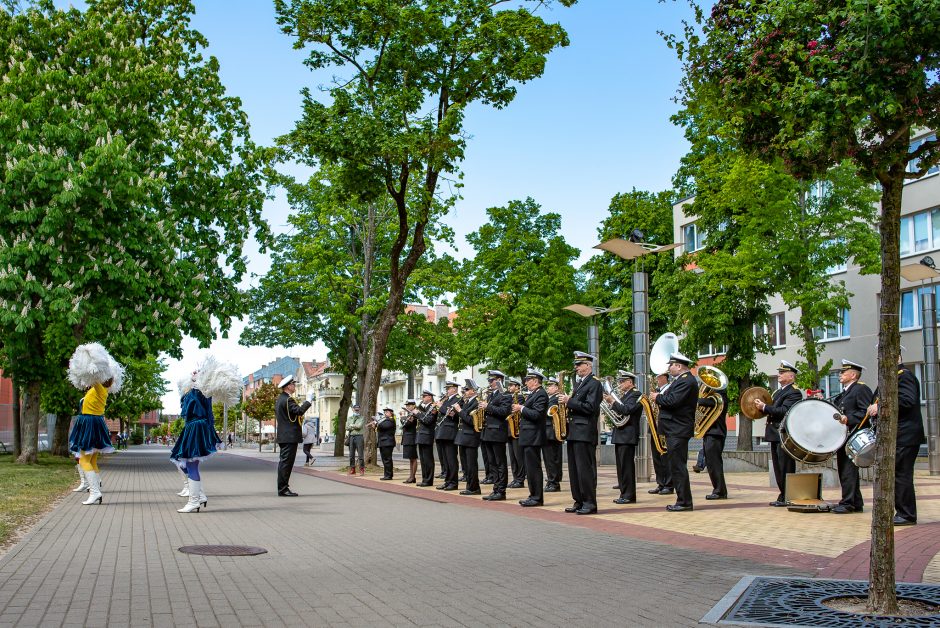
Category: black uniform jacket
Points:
column 677, row 407
column 427, row 419
column 534, row 411
column 549, row 424
column 629, row 405
column 385, row 432
column 409, row 430
column 288, row 414
column 497, row 409
column 782, row 400
column 853, row 403
column 466, row 436
column 583, row 410
column 910, row 419
column 720, row 426
column 447, row 428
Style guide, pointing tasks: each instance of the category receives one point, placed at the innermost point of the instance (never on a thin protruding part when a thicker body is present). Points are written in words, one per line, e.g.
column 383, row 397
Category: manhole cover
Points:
column 223, row 550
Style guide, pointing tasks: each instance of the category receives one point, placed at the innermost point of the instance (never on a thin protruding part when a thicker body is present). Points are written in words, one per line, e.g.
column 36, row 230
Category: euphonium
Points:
column 713, row 381
column 614, row 417
column 651, row 410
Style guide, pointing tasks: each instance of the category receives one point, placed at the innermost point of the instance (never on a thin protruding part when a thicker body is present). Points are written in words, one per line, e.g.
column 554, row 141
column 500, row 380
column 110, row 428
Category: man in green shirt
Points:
column 354, row 424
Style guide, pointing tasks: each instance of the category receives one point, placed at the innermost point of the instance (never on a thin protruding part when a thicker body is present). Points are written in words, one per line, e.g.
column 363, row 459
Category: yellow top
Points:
column 94, row 400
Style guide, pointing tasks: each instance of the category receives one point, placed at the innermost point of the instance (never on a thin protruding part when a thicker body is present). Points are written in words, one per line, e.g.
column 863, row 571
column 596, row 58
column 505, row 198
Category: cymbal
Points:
column 747, row 399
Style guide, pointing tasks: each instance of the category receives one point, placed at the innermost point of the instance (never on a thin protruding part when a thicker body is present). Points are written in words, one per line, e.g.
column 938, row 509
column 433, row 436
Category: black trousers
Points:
column 533, row 468
column 285, row 465
column 783, row 464
column 905, row 502
column 448, row 455
column 426, row 456
column 307, row 447
column 462, row 455
column 661, row 468
column 713, row 446
column 386, row 453
column 516, row 460
column 551, row 453
column 625, row 456
column 848, row 477
column 582, row 472
column 677, row 453
column 487, row 464
column 471, row 467
column 498, row 460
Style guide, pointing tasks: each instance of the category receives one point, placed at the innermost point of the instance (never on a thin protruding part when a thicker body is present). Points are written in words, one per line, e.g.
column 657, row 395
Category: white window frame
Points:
column 908, row 231
column 829, row 382
column 779, row 322
column 913, row 164
column 843, row 328
column 698, row 239
column 915, row 315
column 712, row 351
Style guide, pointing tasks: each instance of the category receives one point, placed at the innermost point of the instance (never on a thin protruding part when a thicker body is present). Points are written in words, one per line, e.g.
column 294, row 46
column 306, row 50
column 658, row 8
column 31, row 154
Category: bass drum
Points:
column 810, row 432
column 861, row 448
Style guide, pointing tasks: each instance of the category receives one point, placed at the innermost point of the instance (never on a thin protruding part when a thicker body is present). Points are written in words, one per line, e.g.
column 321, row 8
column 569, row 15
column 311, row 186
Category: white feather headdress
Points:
column 117, row 374
column 186, row 384
column 219, row 380
column 92, row 364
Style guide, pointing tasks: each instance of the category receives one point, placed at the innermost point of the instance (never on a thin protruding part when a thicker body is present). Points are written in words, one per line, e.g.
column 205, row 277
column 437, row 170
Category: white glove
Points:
column 310, row 396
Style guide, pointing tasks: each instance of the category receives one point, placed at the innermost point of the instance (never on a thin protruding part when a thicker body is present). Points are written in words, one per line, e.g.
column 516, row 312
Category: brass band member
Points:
column 660, row 464
column 409, row 434
column 713, row 444
column 468, row 439
column 782, row 400
column 385, row 440
column 626, row 437
column 583, row 410
column 446, row 433
column 532, row 434
column 516, row 459
column 427, row 419
column 677, row 423
column 496, row 432
column 551, row 450
column 910, row 438
column 853, row 403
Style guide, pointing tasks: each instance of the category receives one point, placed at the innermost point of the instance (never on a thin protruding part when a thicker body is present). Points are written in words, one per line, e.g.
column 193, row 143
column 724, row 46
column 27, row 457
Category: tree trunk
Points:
column 812, row 353
column 346, row 400
column 17, row 421
column 30, row 424
column 882, row 595
column 60, row 438
column 383, row 327
column 745, row 426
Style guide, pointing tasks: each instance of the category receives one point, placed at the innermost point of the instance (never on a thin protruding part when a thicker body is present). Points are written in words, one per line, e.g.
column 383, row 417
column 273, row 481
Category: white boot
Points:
column 84, row 485
column 185, row 491
column 94, row 486
column 193, row 504
column 203, row 500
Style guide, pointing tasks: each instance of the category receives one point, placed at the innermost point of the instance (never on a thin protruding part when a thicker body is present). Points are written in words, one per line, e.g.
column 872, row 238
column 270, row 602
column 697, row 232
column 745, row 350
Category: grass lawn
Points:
column 27, row 491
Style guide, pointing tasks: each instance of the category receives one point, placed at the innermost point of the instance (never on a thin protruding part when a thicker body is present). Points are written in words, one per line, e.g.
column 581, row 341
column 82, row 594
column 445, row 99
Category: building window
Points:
column 775, row 329
column 711, row 350
column 911, row 306
column 693, row 238
column 836, row 330
column 830, row 384
column 920, row 232
column 914, row 164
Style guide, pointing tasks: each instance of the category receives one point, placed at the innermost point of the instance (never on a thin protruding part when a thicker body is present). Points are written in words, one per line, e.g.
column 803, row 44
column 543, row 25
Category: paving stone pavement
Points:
column 338, row 555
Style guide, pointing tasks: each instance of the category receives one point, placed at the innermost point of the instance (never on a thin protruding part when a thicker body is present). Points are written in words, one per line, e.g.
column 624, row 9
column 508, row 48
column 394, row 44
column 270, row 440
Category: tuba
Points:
column 611, row 415
column 713, row 381
column 559, row 414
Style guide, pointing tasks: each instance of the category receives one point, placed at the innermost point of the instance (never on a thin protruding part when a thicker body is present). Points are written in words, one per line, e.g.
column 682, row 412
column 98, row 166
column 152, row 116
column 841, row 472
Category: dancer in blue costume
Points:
column 198, row 441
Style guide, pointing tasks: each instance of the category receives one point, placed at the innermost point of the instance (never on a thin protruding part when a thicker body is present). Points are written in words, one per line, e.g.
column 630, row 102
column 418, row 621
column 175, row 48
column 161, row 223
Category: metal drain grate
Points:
column 223, row 550
column 799, row 602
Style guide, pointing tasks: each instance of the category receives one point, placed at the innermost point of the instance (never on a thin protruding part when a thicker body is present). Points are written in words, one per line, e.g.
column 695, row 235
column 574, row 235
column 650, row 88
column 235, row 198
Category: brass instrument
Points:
column 665, row 345
column 651, row 410
column 747, row 402
column 478, row 414
column 515, row 418
column 559, row 414
column 612, row 416
column 713, row 382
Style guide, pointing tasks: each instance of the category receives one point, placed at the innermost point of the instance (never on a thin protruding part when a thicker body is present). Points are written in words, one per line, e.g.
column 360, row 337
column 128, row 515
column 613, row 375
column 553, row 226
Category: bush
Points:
column 137, row 435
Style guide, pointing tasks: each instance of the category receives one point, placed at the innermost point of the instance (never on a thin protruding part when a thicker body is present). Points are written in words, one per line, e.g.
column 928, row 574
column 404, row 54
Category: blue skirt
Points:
column 197, row 442
column 89, row 435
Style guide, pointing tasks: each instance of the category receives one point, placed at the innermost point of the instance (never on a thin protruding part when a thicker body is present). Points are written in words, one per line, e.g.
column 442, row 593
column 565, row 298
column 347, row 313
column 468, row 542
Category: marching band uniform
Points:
column 713, row 443
column 288, row 415
column 583, row 408
column 677, row 423
column 385, row 440
column 853, row 403
column 409, row 433
column 664, row 484
column 910, row 438
column 198, row 441
column 625, row 439
column 427, row 419
column 516, row 458
column 445, row 435
column 532, row 436
column 496, row 433
column 551, row 450
column 468, row 439
column 782, row 400
column 487, row 466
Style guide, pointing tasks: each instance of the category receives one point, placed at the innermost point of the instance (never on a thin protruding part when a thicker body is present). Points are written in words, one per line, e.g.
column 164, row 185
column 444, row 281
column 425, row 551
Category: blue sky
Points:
column 597, row 123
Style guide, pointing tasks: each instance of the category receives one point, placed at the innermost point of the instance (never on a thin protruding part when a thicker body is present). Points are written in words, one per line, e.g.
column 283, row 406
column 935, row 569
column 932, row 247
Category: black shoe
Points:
column 696, row 468
column 552, row 488
column 666, row 491
column 462, row 478
column 411, row 481
column 448, row 487
column 486, row 481
column 528, row 503
column 655, row 491
column 575, row 508
column 624, row 500
column 469, row 492
column 901, row 521
column 516, row 484
column 585, row 511
column 424, row 484
column 777, row 504
column 715, row 496
column 843, row 509
column 440, row 476
column 385, row 478
column 441, row 487
column 616, row 487
column 677, row 508
column 288, row 493
column 495, row 497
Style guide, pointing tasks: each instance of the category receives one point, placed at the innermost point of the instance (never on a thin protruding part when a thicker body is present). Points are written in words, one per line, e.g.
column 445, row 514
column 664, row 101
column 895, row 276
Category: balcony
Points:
column 329, row 393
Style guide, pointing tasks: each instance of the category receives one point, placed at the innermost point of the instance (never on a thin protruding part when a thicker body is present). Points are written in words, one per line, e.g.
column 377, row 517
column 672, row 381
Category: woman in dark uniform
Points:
column 409, row 434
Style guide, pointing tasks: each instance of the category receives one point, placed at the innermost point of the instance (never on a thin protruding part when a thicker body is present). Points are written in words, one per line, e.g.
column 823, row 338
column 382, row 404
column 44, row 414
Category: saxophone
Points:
column 478, row 414
column 559, row 414
column 515, row 418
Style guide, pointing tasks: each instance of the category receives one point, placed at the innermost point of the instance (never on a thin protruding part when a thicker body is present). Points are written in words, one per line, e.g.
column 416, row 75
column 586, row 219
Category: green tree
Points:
column 143, row 389
column 513, row 292
column 260, row 405
column 394, row 126
column 218, row 411
column 129, row 189
column 814, row 84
